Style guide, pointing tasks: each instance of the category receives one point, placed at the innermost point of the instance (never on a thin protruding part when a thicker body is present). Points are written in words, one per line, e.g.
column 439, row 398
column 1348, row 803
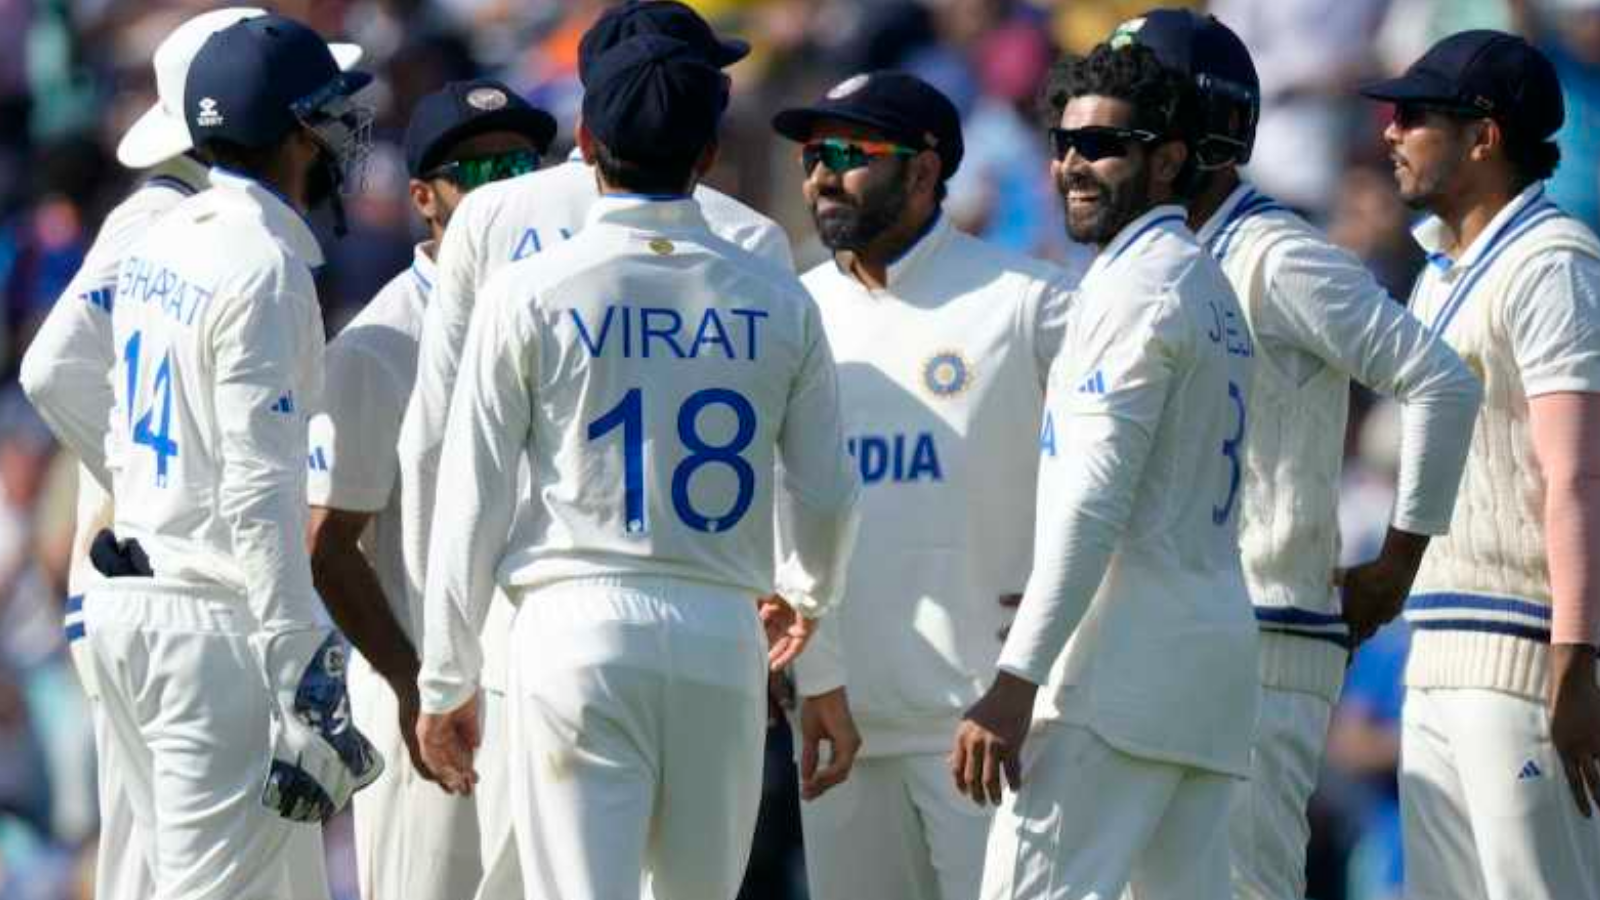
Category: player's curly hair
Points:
column 1163, row 101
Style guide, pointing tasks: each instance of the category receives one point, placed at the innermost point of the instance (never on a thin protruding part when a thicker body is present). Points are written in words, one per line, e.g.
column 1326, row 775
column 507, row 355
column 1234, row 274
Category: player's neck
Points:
column 870, row 265
column 1467, row 212
column 1214, row 190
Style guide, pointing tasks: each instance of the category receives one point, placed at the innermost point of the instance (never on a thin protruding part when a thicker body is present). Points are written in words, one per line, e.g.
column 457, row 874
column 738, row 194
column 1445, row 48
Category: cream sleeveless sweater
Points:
column 1481, row 603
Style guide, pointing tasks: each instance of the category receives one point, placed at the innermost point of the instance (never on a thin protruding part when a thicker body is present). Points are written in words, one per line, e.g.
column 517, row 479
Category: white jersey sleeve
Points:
column 1554, row 323
column 1324, row 302
column 256, row 350
column 1048, row 313
column 353, row 465
column 1134, row 348
column 489, row 420
column 65, row 371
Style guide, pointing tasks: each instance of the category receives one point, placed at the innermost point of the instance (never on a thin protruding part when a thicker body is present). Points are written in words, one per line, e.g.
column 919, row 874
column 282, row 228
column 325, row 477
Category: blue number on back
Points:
column 1230, row 449
column 629, row 414
column 159, row 439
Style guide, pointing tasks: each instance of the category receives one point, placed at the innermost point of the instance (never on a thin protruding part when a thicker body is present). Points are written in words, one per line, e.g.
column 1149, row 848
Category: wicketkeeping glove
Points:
column 318, row 757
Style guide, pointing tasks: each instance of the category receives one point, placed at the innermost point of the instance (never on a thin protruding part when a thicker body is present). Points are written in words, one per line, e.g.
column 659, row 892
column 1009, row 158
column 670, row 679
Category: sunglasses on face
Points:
column 1097, row 142
column 841, row 156
column 476, row 171
column 1415, row 115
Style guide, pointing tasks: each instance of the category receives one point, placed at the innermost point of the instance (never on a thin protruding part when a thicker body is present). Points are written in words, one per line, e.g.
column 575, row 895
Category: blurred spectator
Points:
column 1369, row 220
column 1310, row 54
column 1568, row 31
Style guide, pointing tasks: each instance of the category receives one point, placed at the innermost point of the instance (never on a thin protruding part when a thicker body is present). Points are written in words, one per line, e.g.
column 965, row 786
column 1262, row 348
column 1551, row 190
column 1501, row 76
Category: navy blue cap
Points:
column 254, row 81
column 1489, row 73
column 1216, row 61
column 668, row 18
column 466, row 109
column 653, row 97
column 901, row 106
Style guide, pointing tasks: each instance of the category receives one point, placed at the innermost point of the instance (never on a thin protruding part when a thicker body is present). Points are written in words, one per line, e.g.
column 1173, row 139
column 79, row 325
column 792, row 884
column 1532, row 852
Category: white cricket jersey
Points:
column 1318, row 319
column 651, row 374
column 218, row 341
column 941, row 378
column 65, row 371
column 1136, row 567
column 495, row 225
column 353, row 463
column 1522, row 307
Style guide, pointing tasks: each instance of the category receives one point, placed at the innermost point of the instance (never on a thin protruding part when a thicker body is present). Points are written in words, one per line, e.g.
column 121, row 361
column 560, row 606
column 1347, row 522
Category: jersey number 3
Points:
column 153, row 427
column 1230, row 450
column 629, row 416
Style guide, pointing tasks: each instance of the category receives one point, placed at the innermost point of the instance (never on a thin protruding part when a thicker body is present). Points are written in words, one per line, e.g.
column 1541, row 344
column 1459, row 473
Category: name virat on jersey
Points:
column 658, row 332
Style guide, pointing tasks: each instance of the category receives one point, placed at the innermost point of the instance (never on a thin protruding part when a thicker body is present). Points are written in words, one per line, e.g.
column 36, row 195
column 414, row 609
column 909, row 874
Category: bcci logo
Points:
column 486, row 99
column 209, row 117
column 946, row 373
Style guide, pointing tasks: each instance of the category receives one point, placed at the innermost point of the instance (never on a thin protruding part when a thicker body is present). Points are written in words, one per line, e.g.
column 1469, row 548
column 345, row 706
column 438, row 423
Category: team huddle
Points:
column 1043, row 561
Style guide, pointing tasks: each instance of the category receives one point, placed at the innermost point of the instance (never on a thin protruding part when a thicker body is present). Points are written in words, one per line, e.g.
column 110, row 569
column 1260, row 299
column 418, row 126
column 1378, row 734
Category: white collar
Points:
column 1162, row 217
column 650, row 212
column 423, row 267
column 925, row 249
column 283, row 220
column 1434, row 235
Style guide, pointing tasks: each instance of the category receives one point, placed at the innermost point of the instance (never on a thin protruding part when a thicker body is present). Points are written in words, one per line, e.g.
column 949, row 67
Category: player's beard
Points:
column 1098, row 221
column 1422, row 187
column 853, row 224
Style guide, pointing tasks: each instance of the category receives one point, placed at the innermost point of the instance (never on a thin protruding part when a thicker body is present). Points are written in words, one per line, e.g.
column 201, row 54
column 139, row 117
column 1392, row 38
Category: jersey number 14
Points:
column 629, row 416
column 153, row 427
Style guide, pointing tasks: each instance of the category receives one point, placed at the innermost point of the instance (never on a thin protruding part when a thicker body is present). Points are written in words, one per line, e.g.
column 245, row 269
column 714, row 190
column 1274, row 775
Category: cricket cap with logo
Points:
column 465, row 109
column 1207, row 52
column 667, row 18
column 258, row 79
column 162, row 132
column 1484, row 73
column 900, row 106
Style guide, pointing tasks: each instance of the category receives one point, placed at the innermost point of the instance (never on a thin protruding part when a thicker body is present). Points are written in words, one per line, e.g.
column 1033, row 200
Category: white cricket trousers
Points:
column 897, row 829
column 1268, row 825
column 413, row 841
column 638, row 718
column 187, row 715
column 1091, row 821
column 502, row 874
column 1484, row 803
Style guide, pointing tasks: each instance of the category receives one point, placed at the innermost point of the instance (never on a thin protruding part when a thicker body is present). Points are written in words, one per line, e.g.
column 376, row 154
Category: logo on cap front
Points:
column 487, row 99
column 1126, row 33
column 209, row 116
column 848, row 86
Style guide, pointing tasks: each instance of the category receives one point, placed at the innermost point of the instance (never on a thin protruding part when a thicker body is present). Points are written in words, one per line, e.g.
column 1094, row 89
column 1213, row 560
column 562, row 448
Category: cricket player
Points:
column 1500, row 733
column 1317, row 319
column 1135, row 619
column 944, row 345
column 221, row 683
column 412, row 839
column 493, row 227
column 65, row 373
column 651, row 374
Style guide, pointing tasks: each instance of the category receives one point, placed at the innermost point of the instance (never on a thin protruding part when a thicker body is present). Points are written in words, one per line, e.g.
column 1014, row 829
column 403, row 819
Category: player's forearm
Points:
column 1435, row 435
column 812, row 576
column 355, row 599
column 72, row 393
column 1069, row 565
column 1566, row 438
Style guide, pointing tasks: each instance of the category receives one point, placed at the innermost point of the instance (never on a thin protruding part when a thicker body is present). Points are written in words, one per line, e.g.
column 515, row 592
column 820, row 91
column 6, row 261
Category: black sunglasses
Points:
column 1097, row 142
column 475, row 171
column 1412, row 114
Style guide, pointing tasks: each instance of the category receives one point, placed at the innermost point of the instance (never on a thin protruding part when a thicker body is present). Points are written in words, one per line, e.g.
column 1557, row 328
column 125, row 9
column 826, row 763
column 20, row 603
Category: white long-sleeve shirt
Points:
column 496, row 225
column 66, row 370
column 1136, row 565
column 651, row 374
column 353, row 461
column 219, row 358
column 942, row 376
column 1319, row 319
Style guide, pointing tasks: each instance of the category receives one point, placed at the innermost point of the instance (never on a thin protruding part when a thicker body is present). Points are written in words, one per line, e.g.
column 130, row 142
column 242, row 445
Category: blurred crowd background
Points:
column 75, row 73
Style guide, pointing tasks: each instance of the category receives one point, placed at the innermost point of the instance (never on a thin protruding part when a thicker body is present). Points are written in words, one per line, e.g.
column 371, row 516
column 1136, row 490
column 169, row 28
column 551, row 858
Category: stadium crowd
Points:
column 73, row 73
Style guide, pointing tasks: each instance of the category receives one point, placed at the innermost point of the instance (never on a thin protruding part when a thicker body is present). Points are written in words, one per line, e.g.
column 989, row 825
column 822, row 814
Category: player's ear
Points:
column 1166, row 162
column 424, row 198
column 1486, row 138
column 706, row 159
column 925, row 170
column 585, row 142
